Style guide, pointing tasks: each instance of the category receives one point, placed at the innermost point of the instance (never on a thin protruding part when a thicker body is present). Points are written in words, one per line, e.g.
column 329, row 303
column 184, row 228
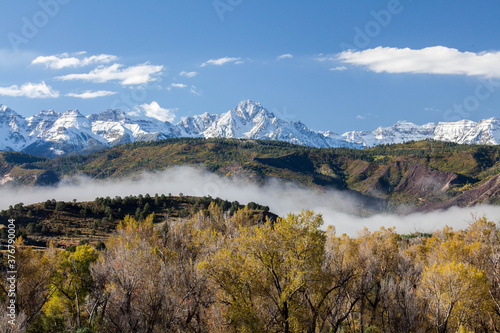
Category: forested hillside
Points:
column 65, row 224
column 424, row 174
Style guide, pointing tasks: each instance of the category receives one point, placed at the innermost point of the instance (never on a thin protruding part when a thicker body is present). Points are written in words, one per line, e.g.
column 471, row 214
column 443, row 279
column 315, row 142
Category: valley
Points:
column 422, row 175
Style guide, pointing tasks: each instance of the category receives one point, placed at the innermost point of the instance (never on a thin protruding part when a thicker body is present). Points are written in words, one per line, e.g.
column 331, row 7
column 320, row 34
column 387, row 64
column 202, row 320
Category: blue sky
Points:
column 421, row 61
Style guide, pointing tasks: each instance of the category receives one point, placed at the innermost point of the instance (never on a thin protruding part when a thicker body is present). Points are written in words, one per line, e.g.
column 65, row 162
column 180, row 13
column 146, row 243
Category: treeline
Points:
column 221, row 273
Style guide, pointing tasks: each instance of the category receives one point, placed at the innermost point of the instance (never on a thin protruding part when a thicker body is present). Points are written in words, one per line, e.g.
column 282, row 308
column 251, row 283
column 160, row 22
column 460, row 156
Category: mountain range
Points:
column 52, row 134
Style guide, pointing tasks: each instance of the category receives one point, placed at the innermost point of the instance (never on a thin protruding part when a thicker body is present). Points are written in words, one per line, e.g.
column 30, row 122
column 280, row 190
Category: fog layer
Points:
column 282, row 198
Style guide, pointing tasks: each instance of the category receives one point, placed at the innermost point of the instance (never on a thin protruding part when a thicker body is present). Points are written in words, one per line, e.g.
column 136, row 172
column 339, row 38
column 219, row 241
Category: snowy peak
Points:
column 42, row 122
column 248, row 110
column 249, row 120
column 9, row 117
column 486, row 132
column 71, row 127
column 196, row 125
column 73, row 119
column 5, row 110
column 13, row 130
column 399, row 132
column 454, row 131
column 491, row 123
column 47, row 114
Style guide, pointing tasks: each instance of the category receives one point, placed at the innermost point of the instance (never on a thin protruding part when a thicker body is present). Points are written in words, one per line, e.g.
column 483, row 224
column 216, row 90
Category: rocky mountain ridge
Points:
column 52, row 134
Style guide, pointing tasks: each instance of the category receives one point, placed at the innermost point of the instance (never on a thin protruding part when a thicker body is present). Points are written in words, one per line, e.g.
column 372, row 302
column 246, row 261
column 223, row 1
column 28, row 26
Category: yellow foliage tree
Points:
column 265, row 270
column 455, row 293
column 71, row 283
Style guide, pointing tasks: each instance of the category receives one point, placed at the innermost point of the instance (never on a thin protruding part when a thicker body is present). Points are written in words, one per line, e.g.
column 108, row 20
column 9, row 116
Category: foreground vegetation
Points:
column 217, row 272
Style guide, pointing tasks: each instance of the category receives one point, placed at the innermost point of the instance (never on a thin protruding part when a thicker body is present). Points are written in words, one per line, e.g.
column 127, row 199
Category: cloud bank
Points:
column 429, row 60
column 281, row 197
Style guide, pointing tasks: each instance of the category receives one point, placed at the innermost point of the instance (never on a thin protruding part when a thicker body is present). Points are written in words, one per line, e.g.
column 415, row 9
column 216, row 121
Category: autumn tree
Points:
column 129, row 272
column 378, row 256
column 70, row 284
column 342, row 280
column 455, row 294
column 267, row 274
column 34, row 273
column 147, row 281
column 399, row 300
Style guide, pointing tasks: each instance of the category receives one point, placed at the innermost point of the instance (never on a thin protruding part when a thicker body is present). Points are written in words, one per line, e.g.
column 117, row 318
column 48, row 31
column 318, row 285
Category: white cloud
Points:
column 366, row 115
column 429, row 60
column 222, row 61
column 432, row 109
column 328, row 57
column 133, row 75
column 188, row 74
column 176, row 85
column 63, row 60
column 30, row 90
column 92, row 94
column 154, row 110
column 195, row 91
column 285, row 56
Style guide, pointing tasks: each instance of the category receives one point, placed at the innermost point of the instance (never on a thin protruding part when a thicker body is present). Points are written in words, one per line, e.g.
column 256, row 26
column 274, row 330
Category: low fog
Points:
column 282, row 198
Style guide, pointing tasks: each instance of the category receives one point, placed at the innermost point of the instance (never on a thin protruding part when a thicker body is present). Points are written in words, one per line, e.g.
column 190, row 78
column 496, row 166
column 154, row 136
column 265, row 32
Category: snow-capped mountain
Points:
column 402, row 131
column 464, row 132
column 116, row 128
column 50, row 133
column 42, row 122
column 249, row 120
